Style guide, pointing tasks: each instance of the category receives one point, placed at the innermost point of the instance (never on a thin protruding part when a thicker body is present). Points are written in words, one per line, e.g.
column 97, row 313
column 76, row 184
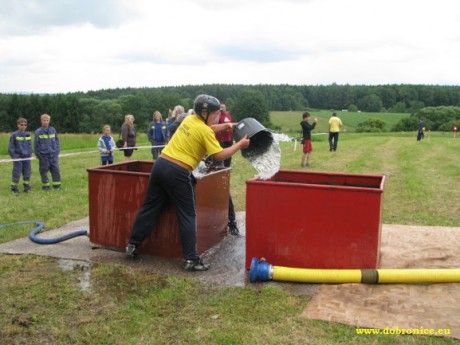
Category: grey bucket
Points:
column 260, row 138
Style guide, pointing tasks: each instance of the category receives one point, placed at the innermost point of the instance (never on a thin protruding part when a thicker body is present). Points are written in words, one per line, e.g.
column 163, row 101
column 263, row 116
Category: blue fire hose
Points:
column 33, row 235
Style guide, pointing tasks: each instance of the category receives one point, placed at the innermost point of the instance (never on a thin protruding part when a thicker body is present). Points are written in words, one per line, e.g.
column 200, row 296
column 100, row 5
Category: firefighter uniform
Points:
column 158, row 135
column 20, row 146
column 47, row 148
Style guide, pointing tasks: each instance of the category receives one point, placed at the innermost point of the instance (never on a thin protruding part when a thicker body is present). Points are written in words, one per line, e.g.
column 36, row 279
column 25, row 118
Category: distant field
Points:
column 289, row 120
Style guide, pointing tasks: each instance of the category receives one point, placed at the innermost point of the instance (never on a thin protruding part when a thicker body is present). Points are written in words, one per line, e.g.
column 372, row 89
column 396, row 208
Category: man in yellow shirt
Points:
column 172, row 179
column 334, row 129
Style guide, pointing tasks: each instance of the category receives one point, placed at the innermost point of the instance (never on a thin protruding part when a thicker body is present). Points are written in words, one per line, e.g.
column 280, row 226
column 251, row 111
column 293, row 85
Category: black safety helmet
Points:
column 206, row 103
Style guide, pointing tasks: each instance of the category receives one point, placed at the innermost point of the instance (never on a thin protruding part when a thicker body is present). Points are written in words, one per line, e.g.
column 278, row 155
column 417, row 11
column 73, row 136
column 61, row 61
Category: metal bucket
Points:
column 260, row 138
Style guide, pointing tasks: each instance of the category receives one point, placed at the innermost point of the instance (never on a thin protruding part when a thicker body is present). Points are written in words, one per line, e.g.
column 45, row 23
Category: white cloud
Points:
column 46, row 46
column 27, row 17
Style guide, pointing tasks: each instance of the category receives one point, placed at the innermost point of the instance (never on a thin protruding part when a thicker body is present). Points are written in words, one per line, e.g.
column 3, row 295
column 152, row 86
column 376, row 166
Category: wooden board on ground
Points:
column 398, row 306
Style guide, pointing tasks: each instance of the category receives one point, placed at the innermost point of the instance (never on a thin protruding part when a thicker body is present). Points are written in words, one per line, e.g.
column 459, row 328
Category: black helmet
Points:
column 206, row 103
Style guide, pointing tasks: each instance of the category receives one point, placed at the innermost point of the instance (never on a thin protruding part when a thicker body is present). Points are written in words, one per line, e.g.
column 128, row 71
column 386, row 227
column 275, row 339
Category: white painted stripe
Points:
column 79, row 153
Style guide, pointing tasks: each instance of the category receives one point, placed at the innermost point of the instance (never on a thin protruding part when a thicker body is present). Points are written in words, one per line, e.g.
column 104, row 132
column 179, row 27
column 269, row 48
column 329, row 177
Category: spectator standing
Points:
column 20, row 147
column 306, row 138
column 106, row 146
column 158, row 134
column 47, row 148
column 420, row 134
column 170, row 119
column 334, row 128
column 173, row 124
column 128, row 135
column 225, row 139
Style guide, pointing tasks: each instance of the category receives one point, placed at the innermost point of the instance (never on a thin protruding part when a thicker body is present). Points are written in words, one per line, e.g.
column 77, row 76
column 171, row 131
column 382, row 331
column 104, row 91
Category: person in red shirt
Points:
column 225, row 139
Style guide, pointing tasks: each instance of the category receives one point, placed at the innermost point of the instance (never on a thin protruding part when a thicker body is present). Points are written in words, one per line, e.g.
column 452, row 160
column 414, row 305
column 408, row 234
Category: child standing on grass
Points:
column 106, row 146
column 47, row 148
column 306, row 138
column 20, row 146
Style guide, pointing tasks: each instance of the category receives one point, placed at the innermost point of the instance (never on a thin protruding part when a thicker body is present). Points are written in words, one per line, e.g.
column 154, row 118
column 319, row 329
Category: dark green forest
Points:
column 86, row 112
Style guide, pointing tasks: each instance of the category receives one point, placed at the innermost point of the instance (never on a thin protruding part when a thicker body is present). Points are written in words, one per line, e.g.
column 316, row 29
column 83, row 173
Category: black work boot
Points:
column 131, row 251
column 196, row 265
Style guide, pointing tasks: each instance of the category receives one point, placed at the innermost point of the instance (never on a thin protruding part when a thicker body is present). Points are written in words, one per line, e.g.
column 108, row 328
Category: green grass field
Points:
column 289, row 121
column 41, row 304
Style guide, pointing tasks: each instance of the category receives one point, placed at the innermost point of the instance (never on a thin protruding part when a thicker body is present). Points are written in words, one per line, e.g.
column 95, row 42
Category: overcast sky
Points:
column 80, row 45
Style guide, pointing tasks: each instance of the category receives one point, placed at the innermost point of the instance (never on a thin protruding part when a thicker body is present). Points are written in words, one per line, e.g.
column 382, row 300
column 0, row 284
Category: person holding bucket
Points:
column 172, row 180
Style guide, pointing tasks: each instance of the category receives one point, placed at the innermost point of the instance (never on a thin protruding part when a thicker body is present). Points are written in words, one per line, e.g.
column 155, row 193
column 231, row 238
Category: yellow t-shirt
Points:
column 191, row 141
column 334, row 124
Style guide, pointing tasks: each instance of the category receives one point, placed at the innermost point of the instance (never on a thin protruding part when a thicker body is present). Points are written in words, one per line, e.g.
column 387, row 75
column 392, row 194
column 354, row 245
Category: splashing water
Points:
column 200, row 171
column 282, row 137
column 267, row 164
column 84, row 279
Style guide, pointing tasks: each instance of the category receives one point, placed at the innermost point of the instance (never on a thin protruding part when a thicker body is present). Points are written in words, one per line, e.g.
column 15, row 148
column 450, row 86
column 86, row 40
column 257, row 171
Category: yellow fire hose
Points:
column 263, row 271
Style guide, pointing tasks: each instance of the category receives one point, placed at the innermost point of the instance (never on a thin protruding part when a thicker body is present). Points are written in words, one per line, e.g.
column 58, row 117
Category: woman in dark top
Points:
column 128, row 135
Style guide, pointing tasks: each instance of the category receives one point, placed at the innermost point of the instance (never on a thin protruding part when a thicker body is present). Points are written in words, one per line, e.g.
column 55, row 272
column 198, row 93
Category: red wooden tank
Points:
column 314, row 219
column 117, row 191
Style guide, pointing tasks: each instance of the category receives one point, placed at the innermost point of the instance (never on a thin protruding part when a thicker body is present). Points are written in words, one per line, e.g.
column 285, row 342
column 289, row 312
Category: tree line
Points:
column 86, row 112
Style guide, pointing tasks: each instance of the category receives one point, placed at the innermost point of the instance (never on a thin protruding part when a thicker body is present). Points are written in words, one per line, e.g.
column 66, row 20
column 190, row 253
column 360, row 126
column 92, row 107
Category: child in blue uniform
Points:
column 106, row 146
column 47, row 148
column 20, row 146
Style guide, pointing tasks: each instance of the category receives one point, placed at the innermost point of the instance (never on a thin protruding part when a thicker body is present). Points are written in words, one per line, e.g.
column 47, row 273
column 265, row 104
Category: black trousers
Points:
column 227, row 163
column 333, row 139
column 231, row 211
column 169, row 183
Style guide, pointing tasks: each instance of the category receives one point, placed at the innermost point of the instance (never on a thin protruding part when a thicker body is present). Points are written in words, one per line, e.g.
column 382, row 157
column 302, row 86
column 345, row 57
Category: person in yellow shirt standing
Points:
column 334, row 129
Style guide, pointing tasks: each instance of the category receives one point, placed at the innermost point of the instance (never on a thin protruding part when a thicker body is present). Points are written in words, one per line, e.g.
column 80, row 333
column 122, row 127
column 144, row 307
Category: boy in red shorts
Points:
column 306, row 138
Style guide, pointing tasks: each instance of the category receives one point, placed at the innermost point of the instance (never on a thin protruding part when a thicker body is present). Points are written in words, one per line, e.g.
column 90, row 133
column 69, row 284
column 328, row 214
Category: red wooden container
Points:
column 117, row 191
column 315, row 220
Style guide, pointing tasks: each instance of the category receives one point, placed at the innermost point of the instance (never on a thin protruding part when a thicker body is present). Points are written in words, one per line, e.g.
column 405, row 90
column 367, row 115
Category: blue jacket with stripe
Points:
column 46, row 142
column 151, row 131
column 20, row 145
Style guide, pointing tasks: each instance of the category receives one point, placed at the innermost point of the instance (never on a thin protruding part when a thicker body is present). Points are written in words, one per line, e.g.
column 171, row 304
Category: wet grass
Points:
column 41, row 304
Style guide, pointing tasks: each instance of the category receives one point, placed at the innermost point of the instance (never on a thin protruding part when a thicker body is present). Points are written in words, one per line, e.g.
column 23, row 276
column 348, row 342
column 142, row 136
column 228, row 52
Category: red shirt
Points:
column 226, row 135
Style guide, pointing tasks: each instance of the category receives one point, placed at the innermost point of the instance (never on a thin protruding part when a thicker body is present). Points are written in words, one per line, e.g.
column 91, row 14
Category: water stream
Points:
column 268, row 163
